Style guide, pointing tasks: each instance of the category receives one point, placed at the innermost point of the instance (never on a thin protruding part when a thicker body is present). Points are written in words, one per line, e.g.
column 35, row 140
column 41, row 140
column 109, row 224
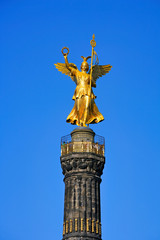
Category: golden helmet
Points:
column 84, row 63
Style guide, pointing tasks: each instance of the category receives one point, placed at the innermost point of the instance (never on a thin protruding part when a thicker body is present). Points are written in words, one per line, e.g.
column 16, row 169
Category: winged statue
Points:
column 84, row 110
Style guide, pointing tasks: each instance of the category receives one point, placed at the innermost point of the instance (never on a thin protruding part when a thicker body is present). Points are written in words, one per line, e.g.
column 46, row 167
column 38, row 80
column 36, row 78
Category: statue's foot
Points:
column 78, row 123
column 82, row 124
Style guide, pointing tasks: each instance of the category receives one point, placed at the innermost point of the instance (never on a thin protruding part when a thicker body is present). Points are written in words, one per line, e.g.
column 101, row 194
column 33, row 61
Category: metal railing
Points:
column 71, row 147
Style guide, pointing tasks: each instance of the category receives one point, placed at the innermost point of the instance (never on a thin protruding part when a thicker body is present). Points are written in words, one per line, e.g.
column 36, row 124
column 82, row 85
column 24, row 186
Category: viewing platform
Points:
column 82, row 139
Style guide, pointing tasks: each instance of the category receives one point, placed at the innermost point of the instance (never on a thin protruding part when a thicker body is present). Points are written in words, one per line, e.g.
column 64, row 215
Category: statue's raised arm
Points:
column 67, row 68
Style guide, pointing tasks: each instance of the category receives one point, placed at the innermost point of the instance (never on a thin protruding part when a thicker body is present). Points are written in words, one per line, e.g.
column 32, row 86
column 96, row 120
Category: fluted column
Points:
column 82, row 177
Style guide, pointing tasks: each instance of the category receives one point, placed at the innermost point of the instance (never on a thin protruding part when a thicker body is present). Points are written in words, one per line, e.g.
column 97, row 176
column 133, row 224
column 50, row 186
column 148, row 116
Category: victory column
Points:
column 82, row 153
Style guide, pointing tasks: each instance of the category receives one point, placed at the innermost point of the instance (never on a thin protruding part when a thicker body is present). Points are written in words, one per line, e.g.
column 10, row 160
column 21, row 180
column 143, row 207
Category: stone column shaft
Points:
column 82, row 171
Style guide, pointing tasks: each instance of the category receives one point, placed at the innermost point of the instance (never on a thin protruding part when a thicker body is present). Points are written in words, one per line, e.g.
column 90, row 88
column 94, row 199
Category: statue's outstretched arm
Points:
column 67, row 63
column 71, row 69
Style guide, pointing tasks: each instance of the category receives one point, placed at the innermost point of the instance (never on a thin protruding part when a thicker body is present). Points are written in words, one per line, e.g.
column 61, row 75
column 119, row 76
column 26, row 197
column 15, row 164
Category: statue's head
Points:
column 84, row 65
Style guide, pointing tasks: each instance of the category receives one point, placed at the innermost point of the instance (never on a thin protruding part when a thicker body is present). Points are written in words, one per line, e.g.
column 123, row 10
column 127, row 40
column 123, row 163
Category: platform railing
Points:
column 92, row 147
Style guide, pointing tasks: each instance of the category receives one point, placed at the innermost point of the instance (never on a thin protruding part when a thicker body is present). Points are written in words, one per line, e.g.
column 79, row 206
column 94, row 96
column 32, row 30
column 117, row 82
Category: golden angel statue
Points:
column 85, row 110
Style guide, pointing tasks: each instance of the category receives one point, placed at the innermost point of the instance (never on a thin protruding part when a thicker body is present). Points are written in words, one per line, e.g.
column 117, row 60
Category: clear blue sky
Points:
column 35, row 100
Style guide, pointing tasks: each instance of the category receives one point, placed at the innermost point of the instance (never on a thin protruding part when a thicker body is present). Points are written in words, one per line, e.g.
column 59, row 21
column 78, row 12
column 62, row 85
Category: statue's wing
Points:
column 99, row 71
column 62, row 68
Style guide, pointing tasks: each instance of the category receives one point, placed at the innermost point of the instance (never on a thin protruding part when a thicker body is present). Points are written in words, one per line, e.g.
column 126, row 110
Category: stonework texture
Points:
column 82, row 177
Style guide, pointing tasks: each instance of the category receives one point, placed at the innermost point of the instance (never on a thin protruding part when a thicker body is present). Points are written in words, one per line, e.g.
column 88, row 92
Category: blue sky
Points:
column 36, row 99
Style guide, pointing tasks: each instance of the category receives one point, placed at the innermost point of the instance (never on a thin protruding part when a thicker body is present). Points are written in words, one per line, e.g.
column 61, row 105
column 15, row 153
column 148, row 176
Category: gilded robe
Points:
column 85, row 110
